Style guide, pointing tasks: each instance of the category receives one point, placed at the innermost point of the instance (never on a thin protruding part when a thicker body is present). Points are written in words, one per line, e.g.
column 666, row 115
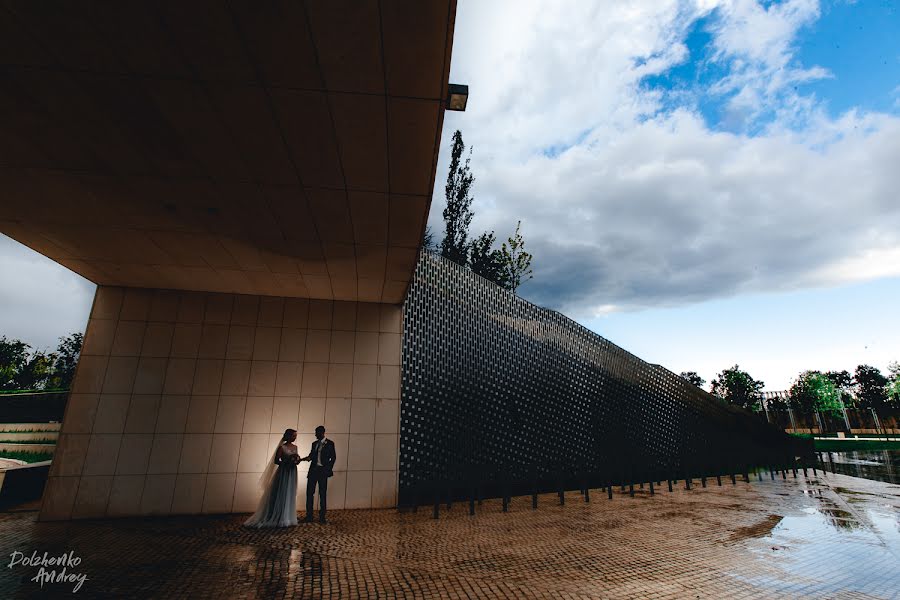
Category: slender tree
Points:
column 458, row 213
column 516, row 260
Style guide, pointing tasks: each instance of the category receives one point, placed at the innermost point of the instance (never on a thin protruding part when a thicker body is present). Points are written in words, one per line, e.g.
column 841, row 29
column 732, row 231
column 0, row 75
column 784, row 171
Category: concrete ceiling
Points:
column 276, row 148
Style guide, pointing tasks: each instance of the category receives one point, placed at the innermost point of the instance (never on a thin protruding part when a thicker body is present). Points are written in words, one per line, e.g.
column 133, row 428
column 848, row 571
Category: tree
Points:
column 13, row 359
column 35, row 372
column 21, row 369
column 517, row 261
column 65, row 360
column 428, row 238
column 487, row 261
column 458, row 213
column 870, row 387
column 893, row 385
column 843, row 381
column 739, row 388
column 814, row 391
column 692, row 377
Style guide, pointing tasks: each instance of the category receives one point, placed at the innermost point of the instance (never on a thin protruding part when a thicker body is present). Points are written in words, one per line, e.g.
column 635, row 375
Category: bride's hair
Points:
column 287, row 434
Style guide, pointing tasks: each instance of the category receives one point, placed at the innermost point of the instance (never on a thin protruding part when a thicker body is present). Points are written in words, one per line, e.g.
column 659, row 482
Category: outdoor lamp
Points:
column 457, row 96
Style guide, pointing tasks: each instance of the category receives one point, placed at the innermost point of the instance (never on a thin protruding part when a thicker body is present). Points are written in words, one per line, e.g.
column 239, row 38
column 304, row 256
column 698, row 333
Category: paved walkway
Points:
column 834, row 537
column 6, row 463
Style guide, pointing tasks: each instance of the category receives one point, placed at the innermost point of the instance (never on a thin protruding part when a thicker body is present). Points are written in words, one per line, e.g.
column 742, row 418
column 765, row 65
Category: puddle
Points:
column 825, row 550
column 880, row 465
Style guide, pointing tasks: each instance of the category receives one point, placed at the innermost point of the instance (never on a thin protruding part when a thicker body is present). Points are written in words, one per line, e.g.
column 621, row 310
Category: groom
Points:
column 322, row 456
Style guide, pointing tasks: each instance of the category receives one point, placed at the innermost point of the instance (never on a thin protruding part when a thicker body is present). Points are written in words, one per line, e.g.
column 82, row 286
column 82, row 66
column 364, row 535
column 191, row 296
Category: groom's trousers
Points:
column 316, row 477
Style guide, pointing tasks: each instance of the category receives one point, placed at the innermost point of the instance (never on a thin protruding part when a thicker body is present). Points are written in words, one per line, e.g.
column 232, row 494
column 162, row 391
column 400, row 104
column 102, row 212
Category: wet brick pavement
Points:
column 834, row 537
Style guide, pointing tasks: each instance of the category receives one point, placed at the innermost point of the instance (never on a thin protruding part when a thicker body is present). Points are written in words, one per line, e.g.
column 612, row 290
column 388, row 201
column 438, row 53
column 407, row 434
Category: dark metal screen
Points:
column 506, row 396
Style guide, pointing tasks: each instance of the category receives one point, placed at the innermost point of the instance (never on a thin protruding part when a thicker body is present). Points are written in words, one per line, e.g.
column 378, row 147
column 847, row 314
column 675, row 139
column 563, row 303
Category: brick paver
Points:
column 833, row 536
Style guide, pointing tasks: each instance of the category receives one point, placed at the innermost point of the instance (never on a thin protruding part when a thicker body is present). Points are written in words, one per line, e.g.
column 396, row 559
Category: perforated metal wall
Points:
column 504, row 395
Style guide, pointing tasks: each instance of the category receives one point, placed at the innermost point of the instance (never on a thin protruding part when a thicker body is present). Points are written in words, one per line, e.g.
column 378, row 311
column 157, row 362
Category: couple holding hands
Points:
column 278, row 505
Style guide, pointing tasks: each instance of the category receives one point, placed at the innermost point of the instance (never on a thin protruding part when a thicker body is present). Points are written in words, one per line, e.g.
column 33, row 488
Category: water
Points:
column 879, row 465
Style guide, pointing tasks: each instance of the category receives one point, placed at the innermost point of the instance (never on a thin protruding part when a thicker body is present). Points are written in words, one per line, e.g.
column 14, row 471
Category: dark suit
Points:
column 318, row 476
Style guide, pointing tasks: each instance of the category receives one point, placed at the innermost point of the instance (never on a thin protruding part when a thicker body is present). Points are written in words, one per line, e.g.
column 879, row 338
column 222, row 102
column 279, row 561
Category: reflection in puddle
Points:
column 858, row 549
column 881, row 465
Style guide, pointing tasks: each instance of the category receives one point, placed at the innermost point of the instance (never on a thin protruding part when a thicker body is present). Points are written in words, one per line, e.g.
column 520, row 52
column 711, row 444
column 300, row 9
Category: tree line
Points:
column 24, row 368
column 829, row 391
column 509, row 266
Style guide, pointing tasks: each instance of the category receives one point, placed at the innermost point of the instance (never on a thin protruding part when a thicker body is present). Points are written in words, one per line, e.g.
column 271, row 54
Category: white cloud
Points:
column 641, row 206
column 756, row 42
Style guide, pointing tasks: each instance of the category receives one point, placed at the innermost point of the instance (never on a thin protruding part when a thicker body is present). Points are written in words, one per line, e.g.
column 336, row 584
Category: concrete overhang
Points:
column 273, row 148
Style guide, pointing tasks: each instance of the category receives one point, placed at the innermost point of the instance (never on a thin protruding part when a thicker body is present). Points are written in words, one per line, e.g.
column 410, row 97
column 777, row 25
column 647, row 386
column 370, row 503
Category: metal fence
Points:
column 501, row 397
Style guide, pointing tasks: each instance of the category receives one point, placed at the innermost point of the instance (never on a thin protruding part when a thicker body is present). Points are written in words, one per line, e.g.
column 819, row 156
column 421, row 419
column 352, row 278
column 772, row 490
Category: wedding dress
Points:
column 278, row 505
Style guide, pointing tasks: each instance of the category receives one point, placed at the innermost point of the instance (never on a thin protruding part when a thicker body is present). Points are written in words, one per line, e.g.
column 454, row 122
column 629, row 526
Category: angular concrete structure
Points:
column 283, row 149
column 248, row 184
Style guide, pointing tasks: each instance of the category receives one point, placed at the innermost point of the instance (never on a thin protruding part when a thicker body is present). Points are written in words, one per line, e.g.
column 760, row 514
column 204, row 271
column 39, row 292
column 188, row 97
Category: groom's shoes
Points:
column 308, row 520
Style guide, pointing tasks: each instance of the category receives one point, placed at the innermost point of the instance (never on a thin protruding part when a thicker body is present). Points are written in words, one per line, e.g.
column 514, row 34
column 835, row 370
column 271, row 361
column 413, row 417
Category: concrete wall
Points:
column 180, row 398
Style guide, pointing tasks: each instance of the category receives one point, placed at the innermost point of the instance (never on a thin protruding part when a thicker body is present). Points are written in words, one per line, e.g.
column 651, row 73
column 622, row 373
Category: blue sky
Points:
column 703, row 182
column 858, row 43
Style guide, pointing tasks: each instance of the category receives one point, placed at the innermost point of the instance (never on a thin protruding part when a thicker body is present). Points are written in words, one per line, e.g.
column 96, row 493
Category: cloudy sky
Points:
column 704, row 183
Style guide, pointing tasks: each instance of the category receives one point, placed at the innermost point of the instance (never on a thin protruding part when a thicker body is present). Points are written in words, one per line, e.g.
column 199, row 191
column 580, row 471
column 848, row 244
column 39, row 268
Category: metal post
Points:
column 819, row 421
column 878, row 427
column 651, row 487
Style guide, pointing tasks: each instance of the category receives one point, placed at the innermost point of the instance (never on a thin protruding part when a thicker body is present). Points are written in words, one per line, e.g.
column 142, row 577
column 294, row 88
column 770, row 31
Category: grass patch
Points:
column 29, row 457
column 28, row 431
column 41, row 441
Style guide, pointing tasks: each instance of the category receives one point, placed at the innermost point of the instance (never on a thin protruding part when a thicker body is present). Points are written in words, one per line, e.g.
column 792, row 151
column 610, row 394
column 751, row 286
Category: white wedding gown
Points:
column 278, row 505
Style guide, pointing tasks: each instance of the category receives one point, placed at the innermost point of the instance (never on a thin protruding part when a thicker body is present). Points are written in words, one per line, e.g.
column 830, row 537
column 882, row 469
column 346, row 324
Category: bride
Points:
column 278, row 505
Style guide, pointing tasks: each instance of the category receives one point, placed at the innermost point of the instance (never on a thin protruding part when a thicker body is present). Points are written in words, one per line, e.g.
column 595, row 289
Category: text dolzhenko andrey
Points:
column 51, row 569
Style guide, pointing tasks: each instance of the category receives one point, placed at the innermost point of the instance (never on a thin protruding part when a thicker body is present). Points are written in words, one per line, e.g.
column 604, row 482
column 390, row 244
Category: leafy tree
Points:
column 893, row 385
column 777, row 403
column 458, row 213
column 487, row 261
column 870, row 387
column 517, row 261
column 65, row 359
column 21, row 369
column 13, row 358
column 693, row 377
column 35, row 372
column 739, row 388
column 843, row 381
column 813, row 391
